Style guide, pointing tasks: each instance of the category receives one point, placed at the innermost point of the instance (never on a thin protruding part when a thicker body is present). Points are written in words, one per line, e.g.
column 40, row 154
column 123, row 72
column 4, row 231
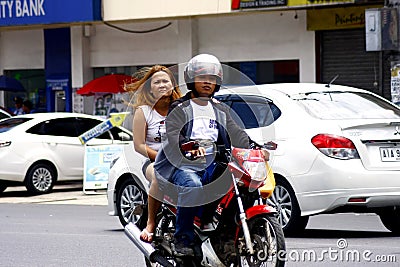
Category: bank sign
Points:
column 31, row 12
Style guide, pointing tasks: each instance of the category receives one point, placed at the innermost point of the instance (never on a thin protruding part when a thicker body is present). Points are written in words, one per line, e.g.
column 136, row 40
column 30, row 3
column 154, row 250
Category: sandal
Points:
column 146, row 236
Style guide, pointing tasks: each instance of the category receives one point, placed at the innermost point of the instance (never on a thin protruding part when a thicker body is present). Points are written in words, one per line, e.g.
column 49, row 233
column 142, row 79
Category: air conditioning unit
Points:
column 381, row 29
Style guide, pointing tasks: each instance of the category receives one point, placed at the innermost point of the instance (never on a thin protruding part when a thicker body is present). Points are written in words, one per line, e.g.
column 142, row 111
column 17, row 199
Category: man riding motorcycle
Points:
column 196, row 117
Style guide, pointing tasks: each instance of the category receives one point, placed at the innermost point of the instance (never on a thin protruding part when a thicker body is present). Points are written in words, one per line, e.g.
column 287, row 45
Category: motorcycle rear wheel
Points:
column 166, row 229
column 268, row 243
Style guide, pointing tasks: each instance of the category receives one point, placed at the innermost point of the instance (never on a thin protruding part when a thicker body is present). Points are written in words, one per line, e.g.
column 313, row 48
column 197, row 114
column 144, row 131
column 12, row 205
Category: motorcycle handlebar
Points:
column 269, row 145
column 194, row 145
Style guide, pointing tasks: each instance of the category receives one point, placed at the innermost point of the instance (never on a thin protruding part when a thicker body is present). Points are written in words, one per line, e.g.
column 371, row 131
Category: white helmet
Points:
column 203, row 64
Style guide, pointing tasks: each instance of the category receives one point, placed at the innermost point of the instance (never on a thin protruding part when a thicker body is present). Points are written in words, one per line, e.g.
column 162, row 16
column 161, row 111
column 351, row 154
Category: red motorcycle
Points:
column 243, row 231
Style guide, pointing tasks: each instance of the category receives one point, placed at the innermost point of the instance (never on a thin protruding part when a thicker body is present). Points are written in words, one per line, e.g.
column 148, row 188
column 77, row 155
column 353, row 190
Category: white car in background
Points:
column 4, row 113
column 338, row 148
column 338, row 151
column 40, row 149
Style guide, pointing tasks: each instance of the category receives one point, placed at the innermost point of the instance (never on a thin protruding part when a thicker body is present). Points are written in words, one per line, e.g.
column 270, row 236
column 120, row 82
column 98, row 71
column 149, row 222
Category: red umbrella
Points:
column 111, row 83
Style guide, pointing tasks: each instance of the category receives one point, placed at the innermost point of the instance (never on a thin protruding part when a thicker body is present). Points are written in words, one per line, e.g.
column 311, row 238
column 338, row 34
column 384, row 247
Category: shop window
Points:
column 34, row 83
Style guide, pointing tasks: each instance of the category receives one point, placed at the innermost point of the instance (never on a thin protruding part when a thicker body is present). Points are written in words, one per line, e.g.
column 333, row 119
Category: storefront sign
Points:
column 236, row 4
column 29, row 12
column 242, row 4
column 395, row 82
column 57, row 84
column 317, row 2
column 336, row 18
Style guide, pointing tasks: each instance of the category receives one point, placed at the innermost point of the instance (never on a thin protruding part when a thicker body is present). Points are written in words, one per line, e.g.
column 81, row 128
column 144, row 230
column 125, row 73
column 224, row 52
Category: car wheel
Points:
column 3, row 186
column 284, row 200
column 131, row 203
column 391, row 219
column 40, row 179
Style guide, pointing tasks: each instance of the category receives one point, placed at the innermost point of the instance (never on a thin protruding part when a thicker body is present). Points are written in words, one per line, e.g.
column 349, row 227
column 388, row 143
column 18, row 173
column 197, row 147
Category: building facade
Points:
column 53, row 55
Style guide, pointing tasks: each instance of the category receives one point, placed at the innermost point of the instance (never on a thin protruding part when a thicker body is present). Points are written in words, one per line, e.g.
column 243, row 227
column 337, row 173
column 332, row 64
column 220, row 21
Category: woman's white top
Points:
column 155, row 127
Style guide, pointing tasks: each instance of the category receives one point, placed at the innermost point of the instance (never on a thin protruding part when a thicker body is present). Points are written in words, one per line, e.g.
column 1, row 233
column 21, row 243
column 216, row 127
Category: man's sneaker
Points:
column 182, row 250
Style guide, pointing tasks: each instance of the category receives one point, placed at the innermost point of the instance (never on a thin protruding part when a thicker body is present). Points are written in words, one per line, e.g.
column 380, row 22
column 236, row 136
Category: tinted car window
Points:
column 251, row 111
column 85, row 124
column 347, row 105
column 74, row 127
column 56, row 127
column 7, row 125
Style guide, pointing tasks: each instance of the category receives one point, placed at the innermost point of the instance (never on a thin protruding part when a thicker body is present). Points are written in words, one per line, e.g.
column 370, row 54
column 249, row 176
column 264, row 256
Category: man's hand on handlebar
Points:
column 198, row 153
column 193, row 150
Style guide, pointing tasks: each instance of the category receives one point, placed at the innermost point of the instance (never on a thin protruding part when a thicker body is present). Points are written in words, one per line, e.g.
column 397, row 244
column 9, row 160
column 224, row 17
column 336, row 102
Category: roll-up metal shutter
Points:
column 343, row 53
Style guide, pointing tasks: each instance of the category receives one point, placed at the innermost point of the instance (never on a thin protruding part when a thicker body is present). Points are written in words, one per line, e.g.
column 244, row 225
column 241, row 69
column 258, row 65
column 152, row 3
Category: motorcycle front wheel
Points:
column 268, row 243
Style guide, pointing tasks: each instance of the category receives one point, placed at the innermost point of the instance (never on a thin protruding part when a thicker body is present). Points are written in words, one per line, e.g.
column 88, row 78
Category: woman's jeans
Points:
column 190, row 198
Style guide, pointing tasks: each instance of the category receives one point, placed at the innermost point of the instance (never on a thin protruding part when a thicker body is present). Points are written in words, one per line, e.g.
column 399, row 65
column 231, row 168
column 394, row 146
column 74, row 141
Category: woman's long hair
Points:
column 141, row 88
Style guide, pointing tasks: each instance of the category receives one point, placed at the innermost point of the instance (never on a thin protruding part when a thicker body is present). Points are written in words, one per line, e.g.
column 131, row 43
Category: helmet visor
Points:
column 205, row 68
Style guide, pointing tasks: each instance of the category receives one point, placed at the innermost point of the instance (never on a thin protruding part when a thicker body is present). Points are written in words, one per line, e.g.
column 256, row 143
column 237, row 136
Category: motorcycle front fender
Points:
column 259, row 209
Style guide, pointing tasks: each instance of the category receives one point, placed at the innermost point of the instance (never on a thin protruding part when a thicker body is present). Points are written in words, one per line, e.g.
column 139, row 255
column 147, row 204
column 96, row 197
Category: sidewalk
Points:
column 68, row 193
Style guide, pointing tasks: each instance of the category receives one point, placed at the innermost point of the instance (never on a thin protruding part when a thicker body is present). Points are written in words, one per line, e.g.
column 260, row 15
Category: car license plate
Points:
column 390, row 153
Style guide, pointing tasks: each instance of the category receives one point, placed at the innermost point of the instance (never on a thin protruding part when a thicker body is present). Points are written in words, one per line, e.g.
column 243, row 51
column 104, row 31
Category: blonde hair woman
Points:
column 153, row 94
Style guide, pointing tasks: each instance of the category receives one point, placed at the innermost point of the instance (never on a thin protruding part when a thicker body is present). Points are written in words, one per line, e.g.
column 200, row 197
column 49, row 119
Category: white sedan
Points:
column 42, row 148
column 338, row 148
column 338, row 151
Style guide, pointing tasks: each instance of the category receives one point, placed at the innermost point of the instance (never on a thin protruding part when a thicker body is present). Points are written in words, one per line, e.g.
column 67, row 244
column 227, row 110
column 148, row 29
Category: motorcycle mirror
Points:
column 270, row 145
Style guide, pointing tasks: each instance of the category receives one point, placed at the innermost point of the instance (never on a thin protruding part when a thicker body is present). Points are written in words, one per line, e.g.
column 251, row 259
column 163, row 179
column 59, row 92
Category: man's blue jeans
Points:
column 190, row 197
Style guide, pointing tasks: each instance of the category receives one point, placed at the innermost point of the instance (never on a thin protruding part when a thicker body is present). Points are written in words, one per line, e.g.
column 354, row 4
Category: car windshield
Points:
column 347, row 105
column 6, row 125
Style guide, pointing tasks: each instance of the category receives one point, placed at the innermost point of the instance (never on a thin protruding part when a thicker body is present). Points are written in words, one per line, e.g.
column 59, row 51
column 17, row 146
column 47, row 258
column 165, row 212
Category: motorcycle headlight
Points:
column 257, row 170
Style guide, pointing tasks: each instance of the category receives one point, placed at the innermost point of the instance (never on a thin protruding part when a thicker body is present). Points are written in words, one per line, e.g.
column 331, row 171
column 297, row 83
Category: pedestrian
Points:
column 18, row 106
column 154, row 93
column 197, row 116
column 27, row 107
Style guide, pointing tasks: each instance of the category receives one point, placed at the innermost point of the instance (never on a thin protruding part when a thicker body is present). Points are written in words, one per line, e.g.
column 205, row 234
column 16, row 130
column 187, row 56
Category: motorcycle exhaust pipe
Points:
column 133, row 232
